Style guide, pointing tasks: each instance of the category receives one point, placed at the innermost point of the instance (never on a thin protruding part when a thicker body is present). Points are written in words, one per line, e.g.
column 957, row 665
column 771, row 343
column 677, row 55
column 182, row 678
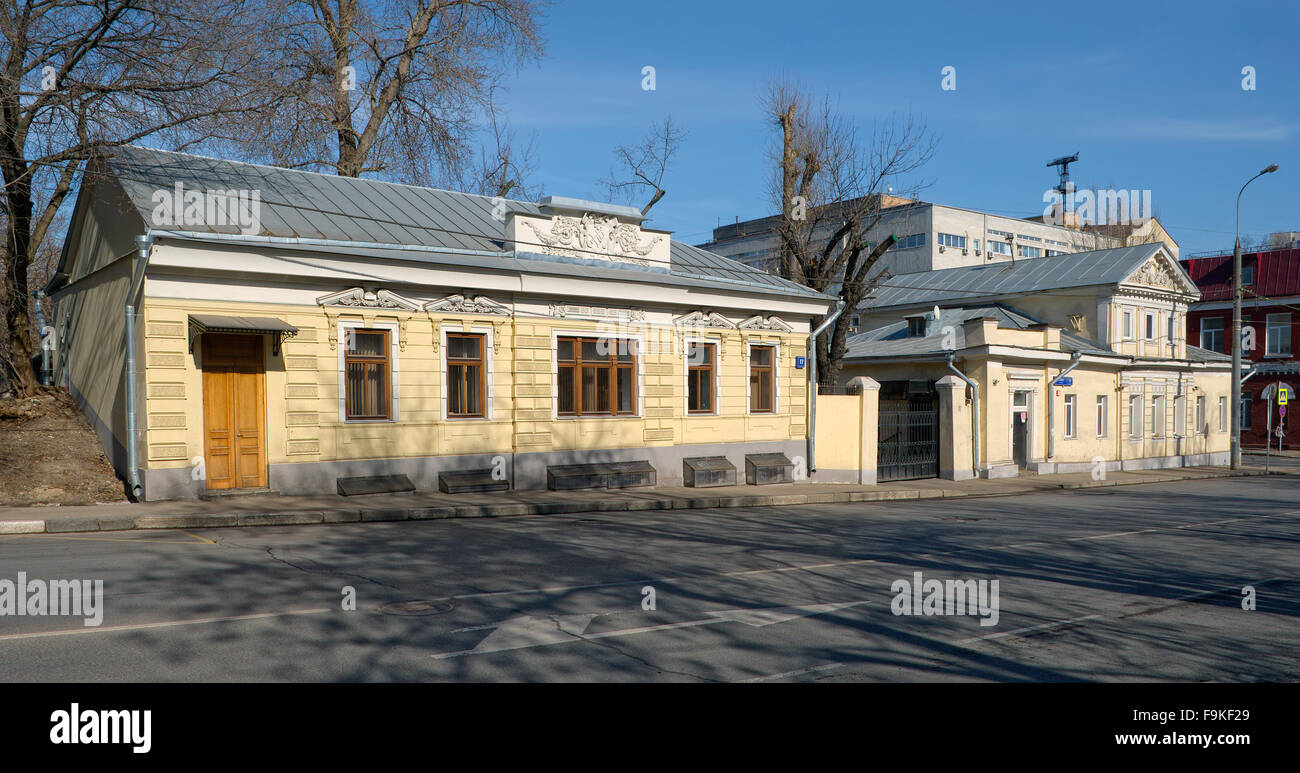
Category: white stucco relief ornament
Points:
column 1156, row 274
column 590, row 234
column 459, row 304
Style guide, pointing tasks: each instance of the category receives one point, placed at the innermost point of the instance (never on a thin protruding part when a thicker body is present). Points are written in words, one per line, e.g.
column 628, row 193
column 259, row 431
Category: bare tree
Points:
column 827, row 183
column 505, row 163
column 395, row 87
column 643, row 166
column 81, row 76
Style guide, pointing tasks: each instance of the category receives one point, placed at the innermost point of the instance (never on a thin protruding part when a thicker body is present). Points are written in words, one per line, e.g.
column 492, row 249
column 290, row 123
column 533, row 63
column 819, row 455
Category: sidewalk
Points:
column 271, row 510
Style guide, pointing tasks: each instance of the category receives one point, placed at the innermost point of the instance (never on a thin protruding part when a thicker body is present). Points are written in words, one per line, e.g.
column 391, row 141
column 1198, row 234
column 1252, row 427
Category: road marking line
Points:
column 800, row 672
column 1168, row 604
column 1108, row 536
column 198, row 537
column 164, row 624
column 544, row 630
column 586, row 637
column 1018, row 631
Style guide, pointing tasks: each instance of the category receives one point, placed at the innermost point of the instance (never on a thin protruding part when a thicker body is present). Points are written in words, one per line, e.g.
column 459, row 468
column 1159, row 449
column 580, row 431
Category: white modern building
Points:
column 930, row 237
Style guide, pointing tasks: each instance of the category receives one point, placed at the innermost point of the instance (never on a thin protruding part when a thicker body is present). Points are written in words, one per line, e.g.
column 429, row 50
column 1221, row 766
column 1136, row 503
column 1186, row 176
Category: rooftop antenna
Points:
column 1063, row 187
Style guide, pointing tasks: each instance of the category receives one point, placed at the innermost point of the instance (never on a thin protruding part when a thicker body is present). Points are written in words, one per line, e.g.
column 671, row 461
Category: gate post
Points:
column 870, row 430
column 954, row 430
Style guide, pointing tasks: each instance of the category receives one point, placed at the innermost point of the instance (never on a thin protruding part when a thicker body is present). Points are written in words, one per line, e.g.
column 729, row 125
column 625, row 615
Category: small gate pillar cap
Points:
column 950, row 382
column 865, row 383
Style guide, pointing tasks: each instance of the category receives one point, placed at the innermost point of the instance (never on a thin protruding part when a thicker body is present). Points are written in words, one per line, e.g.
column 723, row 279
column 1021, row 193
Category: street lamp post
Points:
column 1235, row 438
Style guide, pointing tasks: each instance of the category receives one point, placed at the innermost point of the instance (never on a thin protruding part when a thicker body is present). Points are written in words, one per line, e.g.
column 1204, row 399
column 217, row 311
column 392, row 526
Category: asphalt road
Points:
column 1126, row 583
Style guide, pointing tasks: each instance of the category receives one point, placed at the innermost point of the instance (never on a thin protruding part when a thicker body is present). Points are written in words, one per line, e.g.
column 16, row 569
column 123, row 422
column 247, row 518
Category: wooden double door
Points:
column 234, row 411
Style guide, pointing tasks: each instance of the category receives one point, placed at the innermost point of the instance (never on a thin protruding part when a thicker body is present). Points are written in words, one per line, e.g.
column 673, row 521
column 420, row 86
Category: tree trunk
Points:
column 18, row 320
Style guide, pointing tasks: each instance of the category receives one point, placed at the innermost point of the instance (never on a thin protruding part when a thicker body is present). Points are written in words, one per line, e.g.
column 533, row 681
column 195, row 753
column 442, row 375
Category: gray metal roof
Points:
column 892, row 340
column 526, row 262
column 1077, row 269
column 308, row 205
column 1197, row 354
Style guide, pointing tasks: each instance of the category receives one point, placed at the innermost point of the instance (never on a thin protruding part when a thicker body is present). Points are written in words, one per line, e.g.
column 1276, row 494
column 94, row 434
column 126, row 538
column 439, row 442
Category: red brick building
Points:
column 1271, row 306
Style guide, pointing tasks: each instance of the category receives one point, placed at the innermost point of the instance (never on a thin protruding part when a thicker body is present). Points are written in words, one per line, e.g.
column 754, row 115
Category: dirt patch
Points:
column 49, row 455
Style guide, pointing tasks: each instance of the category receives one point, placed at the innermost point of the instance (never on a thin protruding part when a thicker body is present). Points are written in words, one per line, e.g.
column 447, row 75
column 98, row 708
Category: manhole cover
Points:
column 416, row 608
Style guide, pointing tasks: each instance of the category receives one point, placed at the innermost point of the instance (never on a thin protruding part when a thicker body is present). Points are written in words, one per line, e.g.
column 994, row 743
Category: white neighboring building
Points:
column 930, row 236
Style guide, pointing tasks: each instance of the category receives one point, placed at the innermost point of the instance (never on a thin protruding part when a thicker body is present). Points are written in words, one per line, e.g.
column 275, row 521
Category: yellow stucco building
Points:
column 228, row 326
column 1069, row 363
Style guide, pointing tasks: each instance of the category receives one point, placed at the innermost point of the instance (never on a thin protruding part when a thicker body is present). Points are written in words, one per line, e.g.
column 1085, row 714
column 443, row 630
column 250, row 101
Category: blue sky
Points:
column 1149, row 94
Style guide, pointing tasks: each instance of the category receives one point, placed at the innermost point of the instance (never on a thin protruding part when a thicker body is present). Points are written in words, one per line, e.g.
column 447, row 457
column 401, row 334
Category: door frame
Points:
column 1031, row 390
column 258, row 368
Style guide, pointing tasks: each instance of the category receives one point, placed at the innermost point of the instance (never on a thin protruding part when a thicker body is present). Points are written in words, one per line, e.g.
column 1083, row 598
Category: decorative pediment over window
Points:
column 459, row 304
column 703, row 319
column 365, row 299
column 759, row 322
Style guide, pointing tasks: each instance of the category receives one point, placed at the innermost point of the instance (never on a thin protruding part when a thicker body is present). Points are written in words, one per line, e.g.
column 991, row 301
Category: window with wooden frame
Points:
column 367, row 374
column 596, row 376
column 699, row 377
column 466, row 375
column 762, row 379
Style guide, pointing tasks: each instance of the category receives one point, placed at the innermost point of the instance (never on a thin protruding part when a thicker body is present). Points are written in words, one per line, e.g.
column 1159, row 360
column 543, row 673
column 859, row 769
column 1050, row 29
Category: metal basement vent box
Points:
column 761, row 469
column 705, row 471
column 468, row 481
column 562, row 477
column 629, row 474
column 374, row 484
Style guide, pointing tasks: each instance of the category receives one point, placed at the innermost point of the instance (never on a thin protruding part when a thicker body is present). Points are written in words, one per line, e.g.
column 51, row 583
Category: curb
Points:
column 312, row 517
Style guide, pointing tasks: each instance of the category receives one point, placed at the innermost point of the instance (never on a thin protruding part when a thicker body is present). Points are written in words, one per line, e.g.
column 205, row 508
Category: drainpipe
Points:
column 1051, row 406
column 974, row 416
column 143, row 244
column 46, row 378
column 812, row 378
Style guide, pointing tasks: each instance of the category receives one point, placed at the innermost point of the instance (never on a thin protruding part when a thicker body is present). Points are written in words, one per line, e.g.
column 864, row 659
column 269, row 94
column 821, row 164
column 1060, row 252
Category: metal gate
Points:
column 909, row 435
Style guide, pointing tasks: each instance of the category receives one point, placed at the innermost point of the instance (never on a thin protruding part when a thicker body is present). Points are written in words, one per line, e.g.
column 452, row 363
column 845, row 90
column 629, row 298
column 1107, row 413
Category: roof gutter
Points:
column 46, row 378
column 1051, row 406
column 812, row 383
column 974, row 416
